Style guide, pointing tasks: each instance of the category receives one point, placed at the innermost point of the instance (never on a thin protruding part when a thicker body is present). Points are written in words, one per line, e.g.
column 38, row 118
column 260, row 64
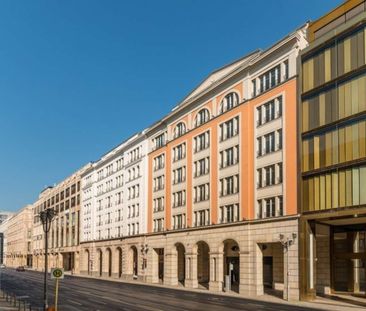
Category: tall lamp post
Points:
column 46, row 217
column 286, row 242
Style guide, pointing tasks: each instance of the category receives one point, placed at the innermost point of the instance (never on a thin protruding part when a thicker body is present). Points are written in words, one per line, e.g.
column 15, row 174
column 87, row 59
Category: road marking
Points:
column 75, row 302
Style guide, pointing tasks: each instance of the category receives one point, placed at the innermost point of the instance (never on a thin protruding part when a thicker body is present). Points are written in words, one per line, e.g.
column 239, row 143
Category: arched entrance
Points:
column 181, row 263
column 119, row 253
column 100, row 262
column 232, row 264
column 109, row 252
column 203, row 264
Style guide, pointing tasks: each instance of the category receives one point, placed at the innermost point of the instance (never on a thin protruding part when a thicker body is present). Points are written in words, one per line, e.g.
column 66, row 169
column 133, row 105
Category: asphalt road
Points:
column 77, row 293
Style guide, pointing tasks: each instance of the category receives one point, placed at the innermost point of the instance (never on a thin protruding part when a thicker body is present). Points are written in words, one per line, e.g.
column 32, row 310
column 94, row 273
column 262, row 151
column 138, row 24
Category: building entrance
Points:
column 349, row 259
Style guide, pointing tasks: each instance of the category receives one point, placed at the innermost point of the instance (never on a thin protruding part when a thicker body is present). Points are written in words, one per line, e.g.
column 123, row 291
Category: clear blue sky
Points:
column 78, row 77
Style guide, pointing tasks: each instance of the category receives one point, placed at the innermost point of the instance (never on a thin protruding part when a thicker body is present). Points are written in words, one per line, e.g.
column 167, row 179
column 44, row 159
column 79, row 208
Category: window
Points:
column 229, row 156
column 202, row 117
column 201, row 218
column 286, row 66
column 254, row 85
column 230, row 101
column 158, row 204
column 179, row 198
column 202, row 193
column 159, row 141
column 158, row 225
column 229, row 213
column 159, row 183
column 229, row 185
column 202, row 141
column 201, row 167
column 270, row 79
column 179, row 152
column 270, row 175
column 179, row 130
column 270, row 207
column 229, row 129
column 159, row 162
column 269, row 141
column 179, row 175
column 179, row 221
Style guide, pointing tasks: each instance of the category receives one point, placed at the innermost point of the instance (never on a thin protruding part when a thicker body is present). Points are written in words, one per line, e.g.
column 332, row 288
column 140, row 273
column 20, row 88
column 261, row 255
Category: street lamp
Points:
column 46, row 217
column 286, row 243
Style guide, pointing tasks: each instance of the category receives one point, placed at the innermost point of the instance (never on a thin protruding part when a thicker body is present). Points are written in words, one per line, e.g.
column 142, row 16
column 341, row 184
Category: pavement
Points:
column 92, row 294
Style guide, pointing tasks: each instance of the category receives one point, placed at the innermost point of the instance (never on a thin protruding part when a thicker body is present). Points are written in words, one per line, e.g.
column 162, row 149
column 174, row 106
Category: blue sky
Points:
column 78, row 77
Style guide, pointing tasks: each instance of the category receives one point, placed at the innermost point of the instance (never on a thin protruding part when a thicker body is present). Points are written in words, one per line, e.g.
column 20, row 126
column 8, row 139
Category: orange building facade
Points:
column 222, row 188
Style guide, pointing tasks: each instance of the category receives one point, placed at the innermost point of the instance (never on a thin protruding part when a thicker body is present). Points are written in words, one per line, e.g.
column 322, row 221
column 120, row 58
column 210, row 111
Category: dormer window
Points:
column 230, row 101
column 179, row 130
column 202, row 117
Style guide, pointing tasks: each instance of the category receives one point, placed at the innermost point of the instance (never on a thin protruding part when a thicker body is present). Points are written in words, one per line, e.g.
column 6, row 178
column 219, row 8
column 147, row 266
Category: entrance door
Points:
column 268, row 271
column 233, row 264
column 161, row 264
column 349, row 259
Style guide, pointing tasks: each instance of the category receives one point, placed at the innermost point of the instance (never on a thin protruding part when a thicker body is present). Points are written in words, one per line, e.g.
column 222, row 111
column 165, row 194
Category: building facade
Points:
column 332, row 127
column 64, row 235
column 219, row 174
column 114, row 204
column 19, row 239
column 4, row 220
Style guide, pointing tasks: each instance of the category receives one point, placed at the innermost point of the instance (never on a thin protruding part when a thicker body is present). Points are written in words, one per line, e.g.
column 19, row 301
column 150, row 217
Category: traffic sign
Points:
column 57, row 273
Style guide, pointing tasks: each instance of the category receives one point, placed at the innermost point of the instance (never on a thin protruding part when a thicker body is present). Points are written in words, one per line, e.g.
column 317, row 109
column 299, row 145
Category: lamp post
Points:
column 286, row 243
column 46, row 217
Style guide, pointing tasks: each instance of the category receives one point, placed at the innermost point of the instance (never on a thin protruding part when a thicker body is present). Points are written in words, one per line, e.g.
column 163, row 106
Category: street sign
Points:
column 57, row 273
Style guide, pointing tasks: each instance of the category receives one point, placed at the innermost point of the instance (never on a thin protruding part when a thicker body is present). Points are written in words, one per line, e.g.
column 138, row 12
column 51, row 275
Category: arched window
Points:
column 202, row 117
column 179, row 130
column 230, row 101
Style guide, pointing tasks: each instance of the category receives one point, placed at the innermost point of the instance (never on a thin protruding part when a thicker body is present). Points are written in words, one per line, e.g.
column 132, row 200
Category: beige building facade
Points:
column 19, row 239
column 64, row 234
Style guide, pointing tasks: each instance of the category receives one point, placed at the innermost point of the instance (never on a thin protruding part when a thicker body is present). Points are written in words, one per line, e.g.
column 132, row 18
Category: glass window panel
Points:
column 342, row 146
column 305, row 116
column 341, row 108
column 355, row 186
column 335, row 147
column 316, row 193
column 316, row 152
column 329, row 106
column 354, row 51
column 361, row 93
column 355, row 146
column 347, row 54
column 354, row 99
column 360, row 49
column 305, row 155
column 349, row 144
column 305, row 195
column 311, row 194
column 349, row 187
column 327, row 65
column 328, row 149
column 321, row 109
column 328, row 191
column 348, row 99
column 342, row 188
column 335, row 189
column 362, row 138
column 362, row 184
column 322, row 192
column 340, row 61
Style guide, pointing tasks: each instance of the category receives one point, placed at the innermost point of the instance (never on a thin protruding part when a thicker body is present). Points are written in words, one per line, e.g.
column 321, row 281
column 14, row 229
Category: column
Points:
column 171, row 268
column 216, row 271
column 191, row 270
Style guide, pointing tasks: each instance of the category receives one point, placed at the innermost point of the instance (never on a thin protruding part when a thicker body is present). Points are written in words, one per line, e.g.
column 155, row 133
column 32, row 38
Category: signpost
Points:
column 57, row 273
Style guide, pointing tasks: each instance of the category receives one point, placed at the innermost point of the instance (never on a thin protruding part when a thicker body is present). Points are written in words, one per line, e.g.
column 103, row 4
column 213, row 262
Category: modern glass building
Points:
column 332, row 120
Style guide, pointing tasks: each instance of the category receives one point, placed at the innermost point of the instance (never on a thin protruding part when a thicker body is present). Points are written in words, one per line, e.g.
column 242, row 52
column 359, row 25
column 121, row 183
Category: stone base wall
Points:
column 202, row 258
